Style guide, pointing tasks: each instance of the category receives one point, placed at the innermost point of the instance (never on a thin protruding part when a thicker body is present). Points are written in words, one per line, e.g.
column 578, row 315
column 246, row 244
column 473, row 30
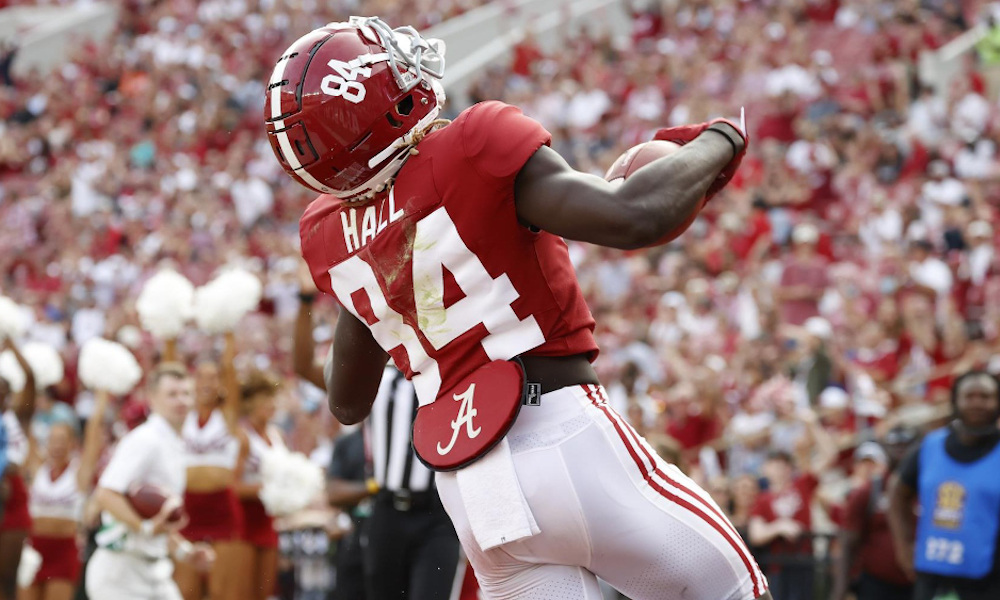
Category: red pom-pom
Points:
column 639, row 156
column 148, row 500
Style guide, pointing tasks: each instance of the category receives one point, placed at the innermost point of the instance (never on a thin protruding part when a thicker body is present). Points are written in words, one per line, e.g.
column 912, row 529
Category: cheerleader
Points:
column 58, row 493
column 211, row 438
column 16, row 524
column 260, row 566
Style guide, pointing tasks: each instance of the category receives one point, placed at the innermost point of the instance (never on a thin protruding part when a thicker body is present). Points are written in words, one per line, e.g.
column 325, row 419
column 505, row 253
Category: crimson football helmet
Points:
column 345, row 100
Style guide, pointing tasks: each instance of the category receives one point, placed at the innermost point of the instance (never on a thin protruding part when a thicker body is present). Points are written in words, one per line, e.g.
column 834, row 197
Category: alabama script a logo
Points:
column 465, row 414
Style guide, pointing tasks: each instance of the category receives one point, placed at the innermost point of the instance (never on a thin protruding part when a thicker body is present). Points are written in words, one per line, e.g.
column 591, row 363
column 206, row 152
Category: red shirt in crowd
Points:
column 798, row 272
column 694, row 430
column 792, row 503
column 876, row 555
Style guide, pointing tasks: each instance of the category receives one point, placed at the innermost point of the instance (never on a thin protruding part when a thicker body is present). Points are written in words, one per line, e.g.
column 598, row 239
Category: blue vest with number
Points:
column 959, row 511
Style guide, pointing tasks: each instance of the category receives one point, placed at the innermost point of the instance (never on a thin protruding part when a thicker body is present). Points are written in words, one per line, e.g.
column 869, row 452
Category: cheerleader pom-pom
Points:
column 108, row 366
column 31, row 562
column 11, row 371
column 12, row 321
column 165, row 304
column 290, row 483
column 221, row 303
column 45, row 363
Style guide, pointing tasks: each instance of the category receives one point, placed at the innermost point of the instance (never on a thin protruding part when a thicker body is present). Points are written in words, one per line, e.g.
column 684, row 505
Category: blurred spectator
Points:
column 782, row 518
column 867, row 554
column 803, row 277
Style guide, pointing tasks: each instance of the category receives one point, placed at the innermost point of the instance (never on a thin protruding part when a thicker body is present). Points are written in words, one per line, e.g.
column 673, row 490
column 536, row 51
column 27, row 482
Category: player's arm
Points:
column 353, row 370
column 653, row 201
column 118, row 506
column 127, row 465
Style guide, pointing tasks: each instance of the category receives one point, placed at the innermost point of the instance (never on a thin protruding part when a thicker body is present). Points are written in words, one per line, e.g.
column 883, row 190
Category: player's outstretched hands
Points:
column 736, row 134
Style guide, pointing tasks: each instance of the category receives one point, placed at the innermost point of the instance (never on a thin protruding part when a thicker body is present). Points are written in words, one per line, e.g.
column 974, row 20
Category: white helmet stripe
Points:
column 277, row 76
column 313, row 182
column 293, row 162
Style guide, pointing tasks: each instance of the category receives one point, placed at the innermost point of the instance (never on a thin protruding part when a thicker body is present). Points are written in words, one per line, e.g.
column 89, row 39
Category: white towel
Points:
column 494, row 503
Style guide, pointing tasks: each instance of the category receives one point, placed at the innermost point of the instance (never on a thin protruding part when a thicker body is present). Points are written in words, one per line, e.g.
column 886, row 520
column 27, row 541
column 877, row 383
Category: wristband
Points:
column 146, row 527
column 183, row 550
column 717, row 128
column 307, row 298
column 372, row 486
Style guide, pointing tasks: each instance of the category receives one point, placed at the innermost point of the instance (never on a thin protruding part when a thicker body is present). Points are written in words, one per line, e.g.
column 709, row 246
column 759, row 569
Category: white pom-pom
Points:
column 108, row 366
column 31, row 561
column 45, row 363
column 165, row 304
column 12, row 321
column 221, row 303
column 290, row 481
column 12, row 372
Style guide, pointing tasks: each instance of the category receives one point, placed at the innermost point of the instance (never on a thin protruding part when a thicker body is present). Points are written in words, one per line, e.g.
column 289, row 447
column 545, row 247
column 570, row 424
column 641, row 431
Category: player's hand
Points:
column 736, row 134
column 202, row 557
column 161, row 521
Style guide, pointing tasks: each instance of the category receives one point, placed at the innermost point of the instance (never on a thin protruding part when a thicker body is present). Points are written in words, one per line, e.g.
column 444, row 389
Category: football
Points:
column 148, row 500
column 639, row 156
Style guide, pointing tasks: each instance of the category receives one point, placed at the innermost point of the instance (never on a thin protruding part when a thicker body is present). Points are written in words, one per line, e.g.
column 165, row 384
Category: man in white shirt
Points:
column 132, row 561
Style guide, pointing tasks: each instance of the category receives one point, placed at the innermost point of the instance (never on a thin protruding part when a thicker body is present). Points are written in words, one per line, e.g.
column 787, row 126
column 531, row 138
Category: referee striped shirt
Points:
column 388, row 428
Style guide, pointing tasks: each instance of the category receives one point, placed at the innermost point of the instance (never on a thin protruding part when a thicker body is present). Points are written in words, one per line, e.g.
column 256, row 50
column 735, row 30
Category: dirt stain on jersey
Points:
column 394, row 269
column 428, row 296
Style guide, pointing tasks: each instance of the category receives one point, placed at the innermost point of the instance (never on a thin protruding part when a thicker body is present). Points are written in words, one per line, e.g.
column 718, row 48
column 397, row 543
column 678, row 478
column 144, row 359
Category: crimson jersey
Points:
column 440, row 269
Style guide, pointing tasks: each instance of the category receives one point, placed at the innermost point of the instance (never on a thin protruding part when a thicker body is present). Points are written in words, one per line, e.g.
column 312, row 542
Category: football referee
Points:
column 410, row 550
column 410, row 547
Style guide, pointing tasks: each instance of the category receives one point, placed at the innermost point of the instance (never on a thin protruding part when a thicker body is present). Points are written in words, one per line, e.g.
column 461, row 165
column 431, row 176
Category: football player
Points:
column 443, row 242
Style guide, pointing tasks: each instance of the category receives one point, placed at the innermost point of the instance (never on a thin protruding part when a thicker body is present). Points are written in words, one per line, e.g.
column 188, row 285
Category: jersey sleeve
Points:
column 498, row 139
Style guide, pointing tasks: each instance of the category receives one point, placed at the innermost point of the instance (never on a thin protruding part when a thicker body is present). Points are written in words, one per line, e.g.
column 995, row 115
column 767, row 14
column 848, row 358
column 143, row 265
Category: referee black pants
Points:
column 410, row 554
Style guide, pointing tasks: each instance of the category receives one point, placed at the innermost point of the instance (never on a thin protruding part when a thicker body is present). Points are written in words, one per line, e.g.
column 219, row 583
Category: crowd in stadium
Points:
column 828, row 298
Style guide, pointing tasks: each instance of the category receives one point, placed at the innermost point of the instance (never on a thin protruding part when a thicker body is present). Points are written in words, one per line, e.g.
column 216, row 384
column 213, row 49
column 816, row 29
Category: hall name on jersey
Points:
column 372, row 222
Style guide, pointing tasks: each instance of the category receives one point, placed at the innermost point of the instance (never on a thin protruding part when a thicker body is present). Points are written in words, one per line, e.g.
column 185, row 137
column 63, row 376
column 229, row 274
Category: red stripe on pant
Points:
column 756, row 575
column 698, row 511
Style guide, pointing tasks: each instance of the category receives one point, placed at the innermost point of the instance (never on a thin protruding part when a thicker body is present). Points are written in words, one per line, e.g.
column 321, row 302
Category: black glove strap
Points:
column 724, row 130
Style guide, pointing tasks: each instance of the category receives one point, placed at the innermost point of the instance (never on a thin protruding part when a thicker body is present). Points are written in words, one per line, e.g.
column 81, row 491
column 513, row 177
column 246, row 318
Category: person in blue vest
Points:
column 954, row 475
